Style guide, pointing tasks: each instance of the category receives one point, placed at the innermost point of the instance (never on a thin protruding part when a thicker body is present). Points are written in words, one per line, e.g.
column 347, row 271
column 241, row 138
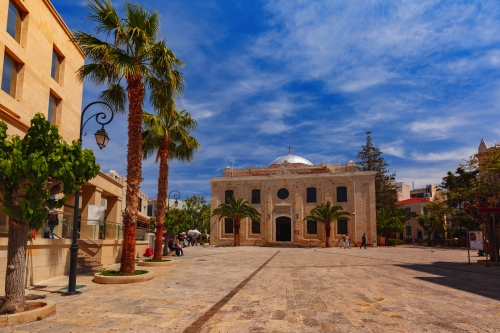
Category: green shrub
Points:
column 394, row 242
column 106, row 272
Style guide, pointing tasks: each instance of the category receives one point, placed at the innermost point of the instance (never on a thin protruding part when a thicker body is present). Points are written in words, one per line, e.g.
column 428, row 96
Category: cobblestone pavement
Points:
column 253, row 289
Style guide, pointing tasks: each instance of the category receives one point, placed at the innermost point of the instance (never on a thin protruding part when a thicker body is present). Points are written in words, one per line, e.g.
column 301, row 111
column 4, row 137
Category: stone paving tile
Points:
column 403, row 289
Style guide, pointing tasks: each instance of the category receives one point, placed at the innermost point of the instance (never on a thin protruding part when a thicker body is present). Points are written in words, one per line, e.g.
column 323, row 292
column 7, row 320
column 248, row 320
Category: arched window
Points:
column 228, row 194
column 341, row 194
column 256, row 196
column 311, row 194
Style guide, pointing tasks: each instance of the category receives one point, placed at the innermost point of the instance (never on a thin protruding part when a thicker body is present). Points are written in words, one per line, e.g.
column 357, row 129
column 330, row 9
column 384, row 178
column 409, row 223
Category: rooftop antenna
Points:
column 413, row 184
column 289, row 149
column 232, row 169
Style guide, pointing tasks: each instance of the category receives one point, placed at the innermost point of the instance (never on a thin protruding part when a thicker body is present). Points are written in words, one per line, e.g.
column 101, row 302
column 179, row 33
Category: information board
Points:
column 476, row 240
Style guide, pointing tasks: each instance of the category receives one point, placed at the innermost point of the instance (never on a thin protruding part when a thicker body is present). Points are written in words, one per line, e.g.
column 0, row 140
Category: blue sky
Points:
column 422, row 76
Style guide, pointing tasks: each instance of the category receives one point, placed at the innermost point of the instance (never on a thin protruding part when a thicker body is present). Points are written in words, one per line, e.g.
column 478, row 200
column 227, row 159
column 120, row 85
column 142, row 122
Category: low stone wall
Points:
column 49, row 258
column 45, row 258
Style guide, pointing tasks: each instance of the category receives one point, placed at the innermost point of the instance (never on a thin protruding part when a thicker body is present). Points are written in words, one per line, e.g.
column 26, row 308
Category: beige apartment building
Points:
column 285, row 192
column 39, row 62
column 38, row 65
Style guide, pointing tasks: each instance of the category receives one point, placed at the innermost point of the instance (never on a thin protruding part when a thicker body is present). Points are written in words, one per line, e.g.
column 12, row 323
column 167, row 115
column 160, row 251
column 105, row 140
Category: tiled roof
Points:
column 412, row 200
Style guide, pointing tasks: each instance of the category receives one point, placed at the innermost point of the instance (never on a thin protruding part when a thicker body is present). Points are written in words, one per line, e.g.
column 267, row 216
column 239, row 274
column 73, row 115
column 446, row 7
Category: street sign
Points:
column 488, row 209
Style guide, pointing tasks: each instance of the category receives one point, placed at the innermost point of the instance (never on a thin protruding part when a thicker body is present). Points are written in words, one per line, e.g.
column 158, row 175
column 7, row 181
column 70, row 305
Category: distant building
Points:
column 285, row 192
column 402, row 191
column 171, row 203
column 428, row 192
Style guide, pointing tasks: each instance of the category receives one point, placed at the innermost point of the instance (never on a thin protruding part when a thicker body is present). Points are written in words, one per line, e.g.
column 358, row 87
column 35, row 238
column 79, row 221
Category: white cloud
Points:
column 456, row 155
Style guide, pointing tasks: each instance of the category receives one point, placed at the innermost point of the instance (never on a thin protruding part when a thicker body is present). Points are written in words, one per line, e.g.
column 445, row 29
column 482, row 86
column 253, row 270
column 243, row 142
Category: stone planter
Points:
column 155, row 264
column 98, row 278
column 39, row 310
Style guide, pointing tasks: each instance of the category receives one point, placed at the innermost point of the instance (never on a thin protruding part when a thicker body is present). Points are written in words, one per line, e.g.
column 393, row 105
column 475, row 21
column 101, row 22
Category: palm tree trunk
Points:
column 134, row 172
column 237, row 232
column 16, row 268
column 163, row 153
column 328, row 229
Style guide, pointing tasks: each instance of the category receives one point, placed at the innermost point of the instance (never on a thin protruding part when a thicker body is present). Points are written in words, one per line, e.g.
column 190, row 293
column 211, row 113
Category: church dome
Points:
column 292, row 159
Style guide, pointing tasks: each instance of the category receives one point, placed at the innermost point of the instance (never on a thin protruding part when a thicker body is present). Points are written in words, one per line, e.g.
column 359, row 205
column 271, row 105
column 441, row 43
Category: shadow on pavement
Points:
column 478, row 280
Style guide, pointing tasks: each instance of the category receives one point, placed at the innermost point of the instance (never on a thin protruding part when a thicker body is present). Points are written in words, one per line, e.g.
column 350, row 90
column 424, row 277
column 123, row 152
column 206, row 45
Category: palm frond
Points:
column 115, row 96
column 105, row 16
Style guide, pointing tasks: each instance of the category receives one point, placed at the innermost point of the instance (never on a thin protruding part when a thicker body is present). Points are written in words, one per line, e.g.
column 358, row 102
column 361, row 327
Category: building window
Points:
column 228, row 226
column 408, row 210
column 311, row 194
column 140, row 205
column 256, row 196
column 228, row 194
column 14, row 20
column 341, row 194
column 408, row 231
column 150, row 210
column 255, row 227
column 312, row 227
column 425, row 211
column 53, row 107
column 342, row 227
column 56, row 66
column 9, row 75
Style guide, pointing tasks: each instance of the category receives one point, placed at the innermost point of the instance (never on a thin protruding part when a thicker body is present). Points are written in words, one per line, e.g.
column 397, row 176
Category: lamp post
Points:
column 102, row 140
column 176, row 196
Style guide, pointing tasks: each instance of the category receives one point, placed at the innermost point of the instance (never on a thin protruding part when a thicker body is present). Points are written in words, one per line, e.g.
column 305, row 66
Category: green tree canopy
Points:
column 370, row 159
column 392, row 219
column 33, row 170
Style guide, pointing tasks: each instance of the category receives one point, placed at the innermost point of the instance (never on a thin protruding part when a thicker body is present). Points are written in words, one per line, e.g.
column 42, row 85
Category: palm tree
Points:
column 236, row 209
column 132, row 52
column 167, row 135
column 326, row 214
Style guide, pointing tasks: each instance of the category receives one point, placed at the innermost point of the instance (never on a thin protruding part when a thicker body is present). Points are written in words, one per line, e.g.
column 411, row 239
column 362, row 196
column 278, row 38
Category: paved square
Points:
column 256, row 289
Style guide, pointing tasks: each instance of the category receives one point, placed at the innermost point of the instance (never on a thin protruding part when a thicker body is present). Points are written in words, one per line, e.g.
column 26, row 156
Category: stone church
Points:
column 285, row 192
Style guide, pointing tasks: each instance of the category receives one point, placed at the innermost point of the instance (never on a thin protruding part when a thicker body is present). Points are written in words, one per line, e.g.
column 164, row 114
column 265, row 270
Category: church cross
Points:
column 289, row 149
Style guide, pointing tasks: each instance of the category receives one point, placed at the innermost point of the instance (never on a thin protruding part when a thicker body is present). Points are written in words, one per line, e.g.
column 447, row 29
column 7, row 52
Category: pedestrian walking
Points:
column 347, row 242
column 342, row 245
column 363, row 241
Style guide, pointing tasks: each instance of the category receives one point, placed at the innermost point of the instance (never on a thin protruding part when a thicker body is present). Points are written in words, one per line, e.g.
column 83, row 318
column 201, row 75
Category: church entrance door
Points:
column 283, row 229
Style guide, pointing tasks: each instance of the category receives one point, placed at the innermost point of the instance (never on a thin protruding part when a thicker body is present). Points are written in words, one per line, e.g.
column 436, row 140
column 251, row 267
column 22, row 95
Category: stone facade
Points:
column 282, row 220
column 43, row 32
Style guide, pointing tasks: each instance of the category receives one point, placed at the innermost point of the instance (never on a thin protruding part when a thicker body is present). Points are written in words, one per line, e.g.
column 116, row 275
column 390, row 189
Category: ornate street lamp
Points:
column 102, row 140
column 176, row 196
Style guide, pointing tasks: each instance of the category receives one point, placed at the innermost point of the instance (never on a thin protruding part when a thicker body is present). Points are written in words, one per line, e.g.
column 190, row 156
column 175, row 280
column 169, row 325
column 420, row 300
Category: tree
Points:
column 176, row 221
column 370, row 159
column 326, row 214
column 440, row 210
column 392, row 219
column 197, row 208
column 167, row 135
column 32, row 171
column 131, row 51
column 472, row 186
column 430, row 224
column 236, row 209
